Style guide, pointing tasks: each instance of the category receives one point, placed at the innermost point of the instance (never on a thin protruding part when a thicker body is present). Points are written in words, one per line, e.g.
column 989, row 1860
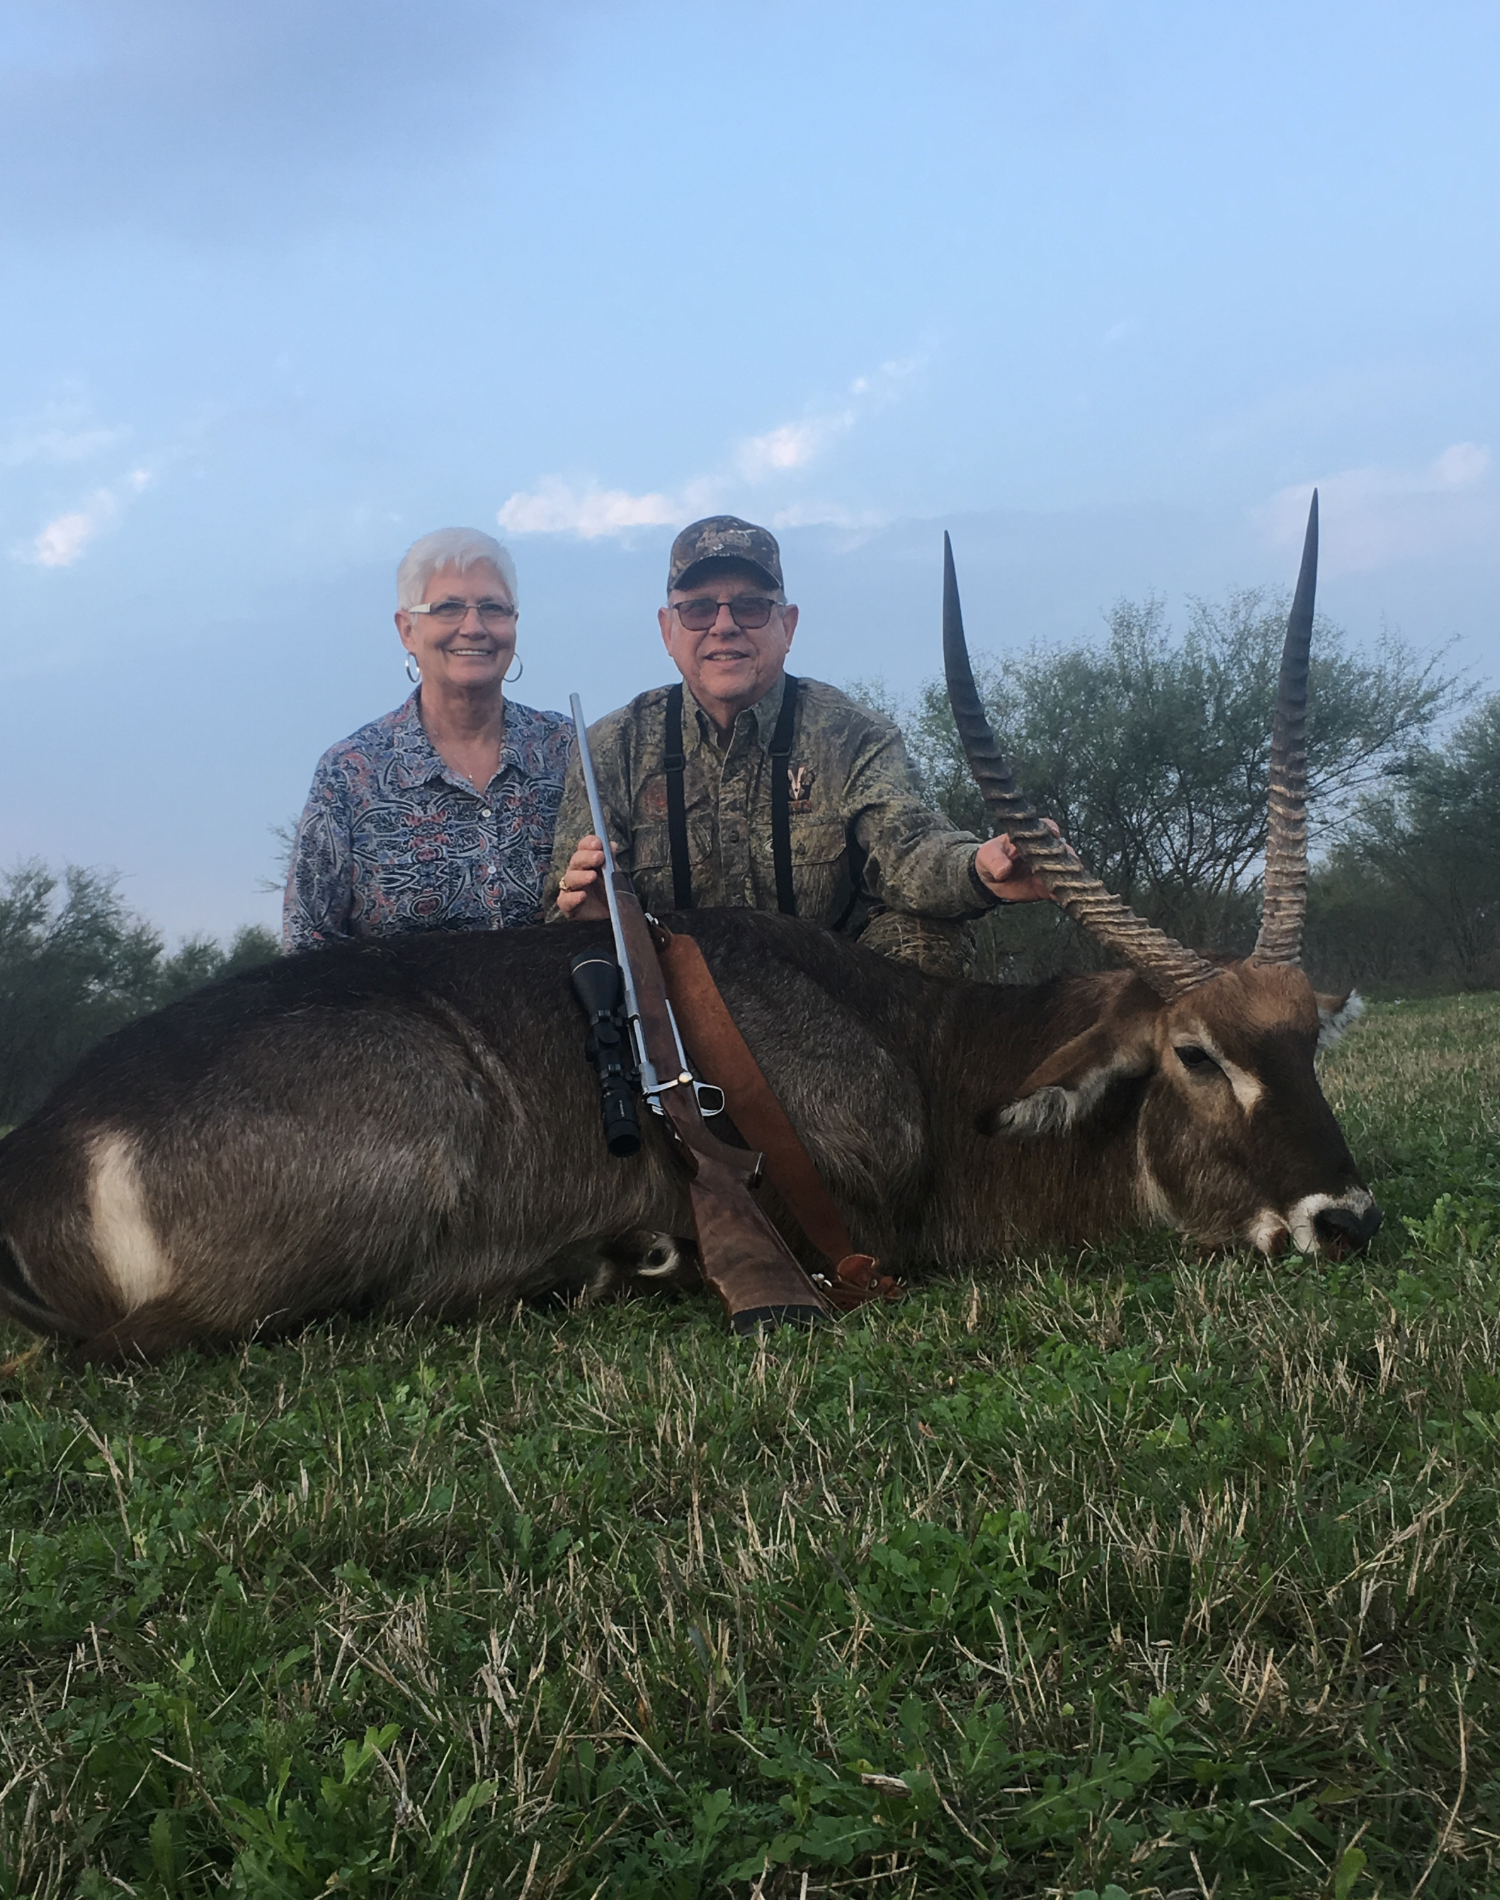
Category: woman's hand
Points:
column 580, row 895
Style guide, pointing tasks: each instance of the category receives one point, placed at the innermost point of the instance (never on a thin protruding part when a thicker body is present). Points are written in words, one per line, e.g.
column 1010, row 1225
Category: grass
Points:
column 1135, row 1575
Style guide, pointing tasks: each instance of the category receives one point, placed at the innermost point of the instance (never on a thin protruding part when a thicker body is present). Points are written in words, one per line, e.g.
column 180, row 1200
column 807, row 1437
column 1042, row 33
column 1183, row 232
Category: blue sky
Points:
column 1102, row 288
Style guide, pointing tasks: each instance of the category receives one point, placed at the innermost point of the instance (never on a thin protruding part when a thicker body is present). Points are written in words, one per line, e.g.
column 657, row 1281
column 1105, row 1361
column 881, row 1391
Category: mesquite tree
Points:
column 75, row 963
column 1150, row 748
column 1413, row 888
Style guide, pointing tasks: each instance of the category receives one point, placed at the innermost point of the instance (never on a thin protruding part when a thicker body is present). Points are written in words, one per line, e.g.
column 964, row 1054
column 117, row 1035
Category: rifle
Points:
column 743, row 1257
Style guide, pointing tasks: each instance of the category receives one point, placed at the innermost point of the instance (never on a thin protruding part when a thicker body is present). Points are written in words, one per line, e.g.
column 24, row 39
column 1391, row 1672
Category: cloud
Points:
column 62, row 430
column 792, row 445
column 555, row 507
column 55, row 442
column 67, row 536
column 796, row 444
column 827, row 514
column 1460, row 466
column 1377, row 514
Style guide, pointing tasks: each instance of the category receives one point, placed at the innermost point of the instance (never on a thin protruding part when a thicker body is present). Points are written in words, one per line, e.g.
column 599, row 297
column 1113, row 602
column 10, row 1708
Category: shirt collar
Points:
column 764, row 712
column 416, row 758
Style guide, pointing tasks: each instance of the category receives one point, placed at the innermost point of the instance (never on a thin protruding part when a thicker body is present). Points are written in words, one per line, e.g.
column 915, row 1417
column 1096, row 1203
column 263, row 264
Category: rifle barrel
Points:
column 650, row 1081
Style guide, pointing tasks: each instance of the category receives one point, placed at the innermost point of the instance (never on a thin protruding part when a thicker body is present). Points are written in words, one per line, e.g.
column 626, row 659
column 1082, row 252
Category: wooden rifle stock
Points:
column 744, row 1259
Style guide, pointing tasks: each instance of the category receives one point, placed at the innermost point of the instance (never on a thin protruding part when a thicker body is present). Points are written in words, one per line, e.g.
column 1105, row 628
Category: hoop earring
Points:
column 510, row 680
column 414, row 677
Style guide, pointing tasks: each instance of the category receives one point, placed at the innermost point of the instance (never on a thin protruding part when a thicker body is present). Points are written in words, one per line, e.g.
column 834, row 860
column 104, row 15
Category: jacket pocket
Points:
column 651, row 863
column 651, row 846
column 817, row 840
column 822, row 877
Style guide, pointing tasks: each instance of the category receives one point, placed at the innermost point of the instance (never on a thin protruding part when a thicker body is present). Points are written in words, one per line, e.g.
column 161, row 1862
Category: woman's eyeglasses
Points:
column 748, row 611
column 450, row 612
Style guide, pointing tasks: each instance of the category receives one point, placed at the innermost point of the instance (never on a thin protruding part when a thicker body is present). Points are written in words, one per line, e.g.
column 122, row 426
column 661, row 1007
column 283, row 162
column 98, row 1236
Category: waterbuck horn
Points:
column 1166, row 965
column 1284, row 909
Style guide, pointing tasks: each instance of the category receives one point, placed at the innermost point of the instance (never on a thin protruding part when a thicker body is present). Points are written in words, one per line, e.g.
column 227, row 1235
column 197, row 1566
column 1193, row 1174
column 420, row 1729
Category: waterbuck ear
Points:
column 1335, row 1013
column 1071, row 1083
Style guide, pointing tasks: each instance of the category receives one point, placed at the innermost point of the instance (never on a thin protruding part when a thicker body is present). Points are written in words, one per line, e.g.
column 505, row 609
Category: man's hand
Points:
column 1004, row 870
column 580, row 896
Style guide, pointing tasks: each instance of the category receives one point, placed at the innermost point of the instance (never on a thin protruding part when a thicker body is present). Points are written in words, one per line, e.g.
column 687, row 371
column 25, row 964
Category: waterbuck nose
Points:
column 1348, row 1226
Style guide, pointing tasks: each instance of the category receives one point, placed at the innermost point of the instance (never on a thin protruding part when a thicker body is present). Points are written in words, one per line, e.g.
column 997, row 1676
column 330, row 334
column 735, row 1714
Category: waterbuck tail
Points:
column 1166, row 965
column 20, row 1301
column 152, row 1331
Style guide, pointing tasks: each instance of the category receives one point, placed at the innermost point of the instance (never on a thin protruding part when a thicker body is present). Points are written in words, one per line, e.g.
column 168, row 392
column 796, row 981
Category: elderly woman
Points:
column 438, row 816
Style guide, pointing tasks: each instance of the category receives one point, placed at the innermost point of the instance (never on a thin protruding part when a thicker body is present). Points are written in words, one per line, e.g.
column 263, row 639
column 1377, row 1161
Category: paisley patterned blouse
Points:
column 391, row 840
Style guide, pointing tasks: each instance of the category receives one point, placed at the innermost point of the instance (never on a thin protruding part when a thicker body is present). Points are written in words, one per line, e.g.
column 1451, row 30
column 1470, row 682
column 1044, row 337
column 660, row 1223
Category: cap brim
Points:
column 688, row 574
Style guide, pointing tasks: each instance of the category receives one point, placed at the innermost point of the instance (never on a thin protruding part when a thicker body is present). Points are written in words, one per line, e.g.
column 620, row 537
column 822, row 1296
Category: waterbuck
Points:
column 411, row 1123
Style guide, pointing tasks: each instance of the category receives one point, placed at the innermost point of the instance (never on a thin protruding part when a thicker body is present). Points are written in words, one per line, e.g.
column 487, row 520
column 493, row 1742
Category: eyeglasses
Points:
column 451, row 612
column 748, row 611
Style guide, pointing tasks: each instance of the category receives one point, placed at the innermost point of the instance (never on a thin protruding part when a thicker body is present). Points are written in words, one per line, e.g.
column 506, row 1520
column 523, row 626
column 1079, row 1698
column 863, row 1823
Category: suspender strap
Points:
column 781, row 818
column 676, row 761
column 781, row 792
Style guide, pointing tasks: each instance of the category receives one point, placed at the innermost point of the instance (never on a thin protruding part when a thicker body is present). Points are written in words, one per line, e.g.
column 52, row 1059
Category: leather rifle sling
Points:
column 744, row 1259
column 715, row 1043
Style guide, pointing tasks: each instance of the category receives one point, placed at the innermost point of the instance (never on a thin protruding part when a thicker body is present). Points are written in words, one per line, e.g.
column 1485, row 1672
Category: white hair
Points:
column 460, row 548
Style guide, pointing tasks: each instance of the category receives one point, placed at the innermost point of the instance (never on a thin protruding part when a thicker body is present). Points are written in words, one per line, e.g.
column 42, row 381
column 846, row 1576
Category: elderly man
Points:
column 745, row 786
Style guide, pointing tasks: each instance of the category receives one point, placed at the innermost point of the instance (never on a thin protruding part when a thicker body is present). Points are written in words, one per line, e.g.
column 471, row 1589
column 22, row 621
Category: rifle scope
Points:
column 598, row 987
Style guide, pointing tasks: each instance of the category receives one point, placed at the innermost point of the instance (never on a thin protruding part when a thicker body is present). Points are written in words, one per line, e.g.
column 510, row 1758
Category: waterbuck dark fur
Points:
column 413, row 1125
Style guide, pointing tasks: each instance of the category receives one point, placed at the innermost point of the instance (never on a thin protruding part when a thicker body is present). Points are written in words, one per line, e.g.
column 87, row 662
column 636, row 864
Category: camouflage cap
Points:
column 725, row 538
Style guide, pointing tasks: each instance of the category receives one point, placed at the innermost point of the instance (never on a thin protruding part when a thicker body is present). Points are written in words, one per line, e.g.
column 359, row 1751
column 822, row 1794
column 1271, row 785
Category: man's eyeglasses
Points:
column 450, row 612
column 748, row 611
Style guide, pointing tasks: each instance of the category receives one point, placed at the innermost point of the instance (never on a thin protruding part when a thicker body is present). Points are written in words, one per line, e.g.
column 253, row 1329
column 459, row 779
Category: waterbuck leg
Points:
column 162, row 1326
column 643, row 1263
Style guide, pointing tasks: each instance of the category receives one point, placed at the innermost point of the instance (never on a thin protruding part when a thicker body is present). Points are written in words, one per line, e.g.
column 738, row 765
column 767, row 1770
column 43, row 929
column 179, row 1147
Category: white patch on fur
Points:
column 125, row 1243
column 1151, row 1197
column 1266, row 1230
column 665, row 1256
column 1049, row 1111
column 1333, row 1022
column 1248, row 1088
column 1053, row 1110
column 1301, row 1221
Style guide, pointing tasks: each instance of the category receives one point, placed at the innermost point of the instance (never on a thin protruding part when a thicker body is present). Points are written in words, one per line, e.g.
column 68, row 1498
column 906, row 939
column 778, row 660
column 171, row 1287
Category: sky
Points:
column 1102, row 287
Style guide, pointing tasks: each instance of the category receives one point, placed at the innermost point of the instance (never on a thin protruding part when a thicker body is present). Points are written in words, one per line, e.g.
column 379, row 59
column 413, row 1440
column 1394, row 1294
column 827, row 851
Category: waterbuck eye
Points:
column 1192, row 1057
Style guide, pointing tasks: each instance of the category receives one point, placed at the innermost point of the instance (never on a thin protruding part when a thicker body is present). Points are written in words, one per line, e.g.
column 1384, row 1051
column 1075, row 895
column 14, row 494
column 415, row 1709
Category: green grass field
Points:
column 1128, row 1575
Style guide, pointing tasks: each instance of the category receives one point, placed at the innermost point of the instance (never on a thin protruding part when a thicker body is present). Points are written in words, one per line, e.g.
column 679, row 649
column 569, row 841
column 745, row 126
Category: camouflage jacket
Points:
column 862, row 835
